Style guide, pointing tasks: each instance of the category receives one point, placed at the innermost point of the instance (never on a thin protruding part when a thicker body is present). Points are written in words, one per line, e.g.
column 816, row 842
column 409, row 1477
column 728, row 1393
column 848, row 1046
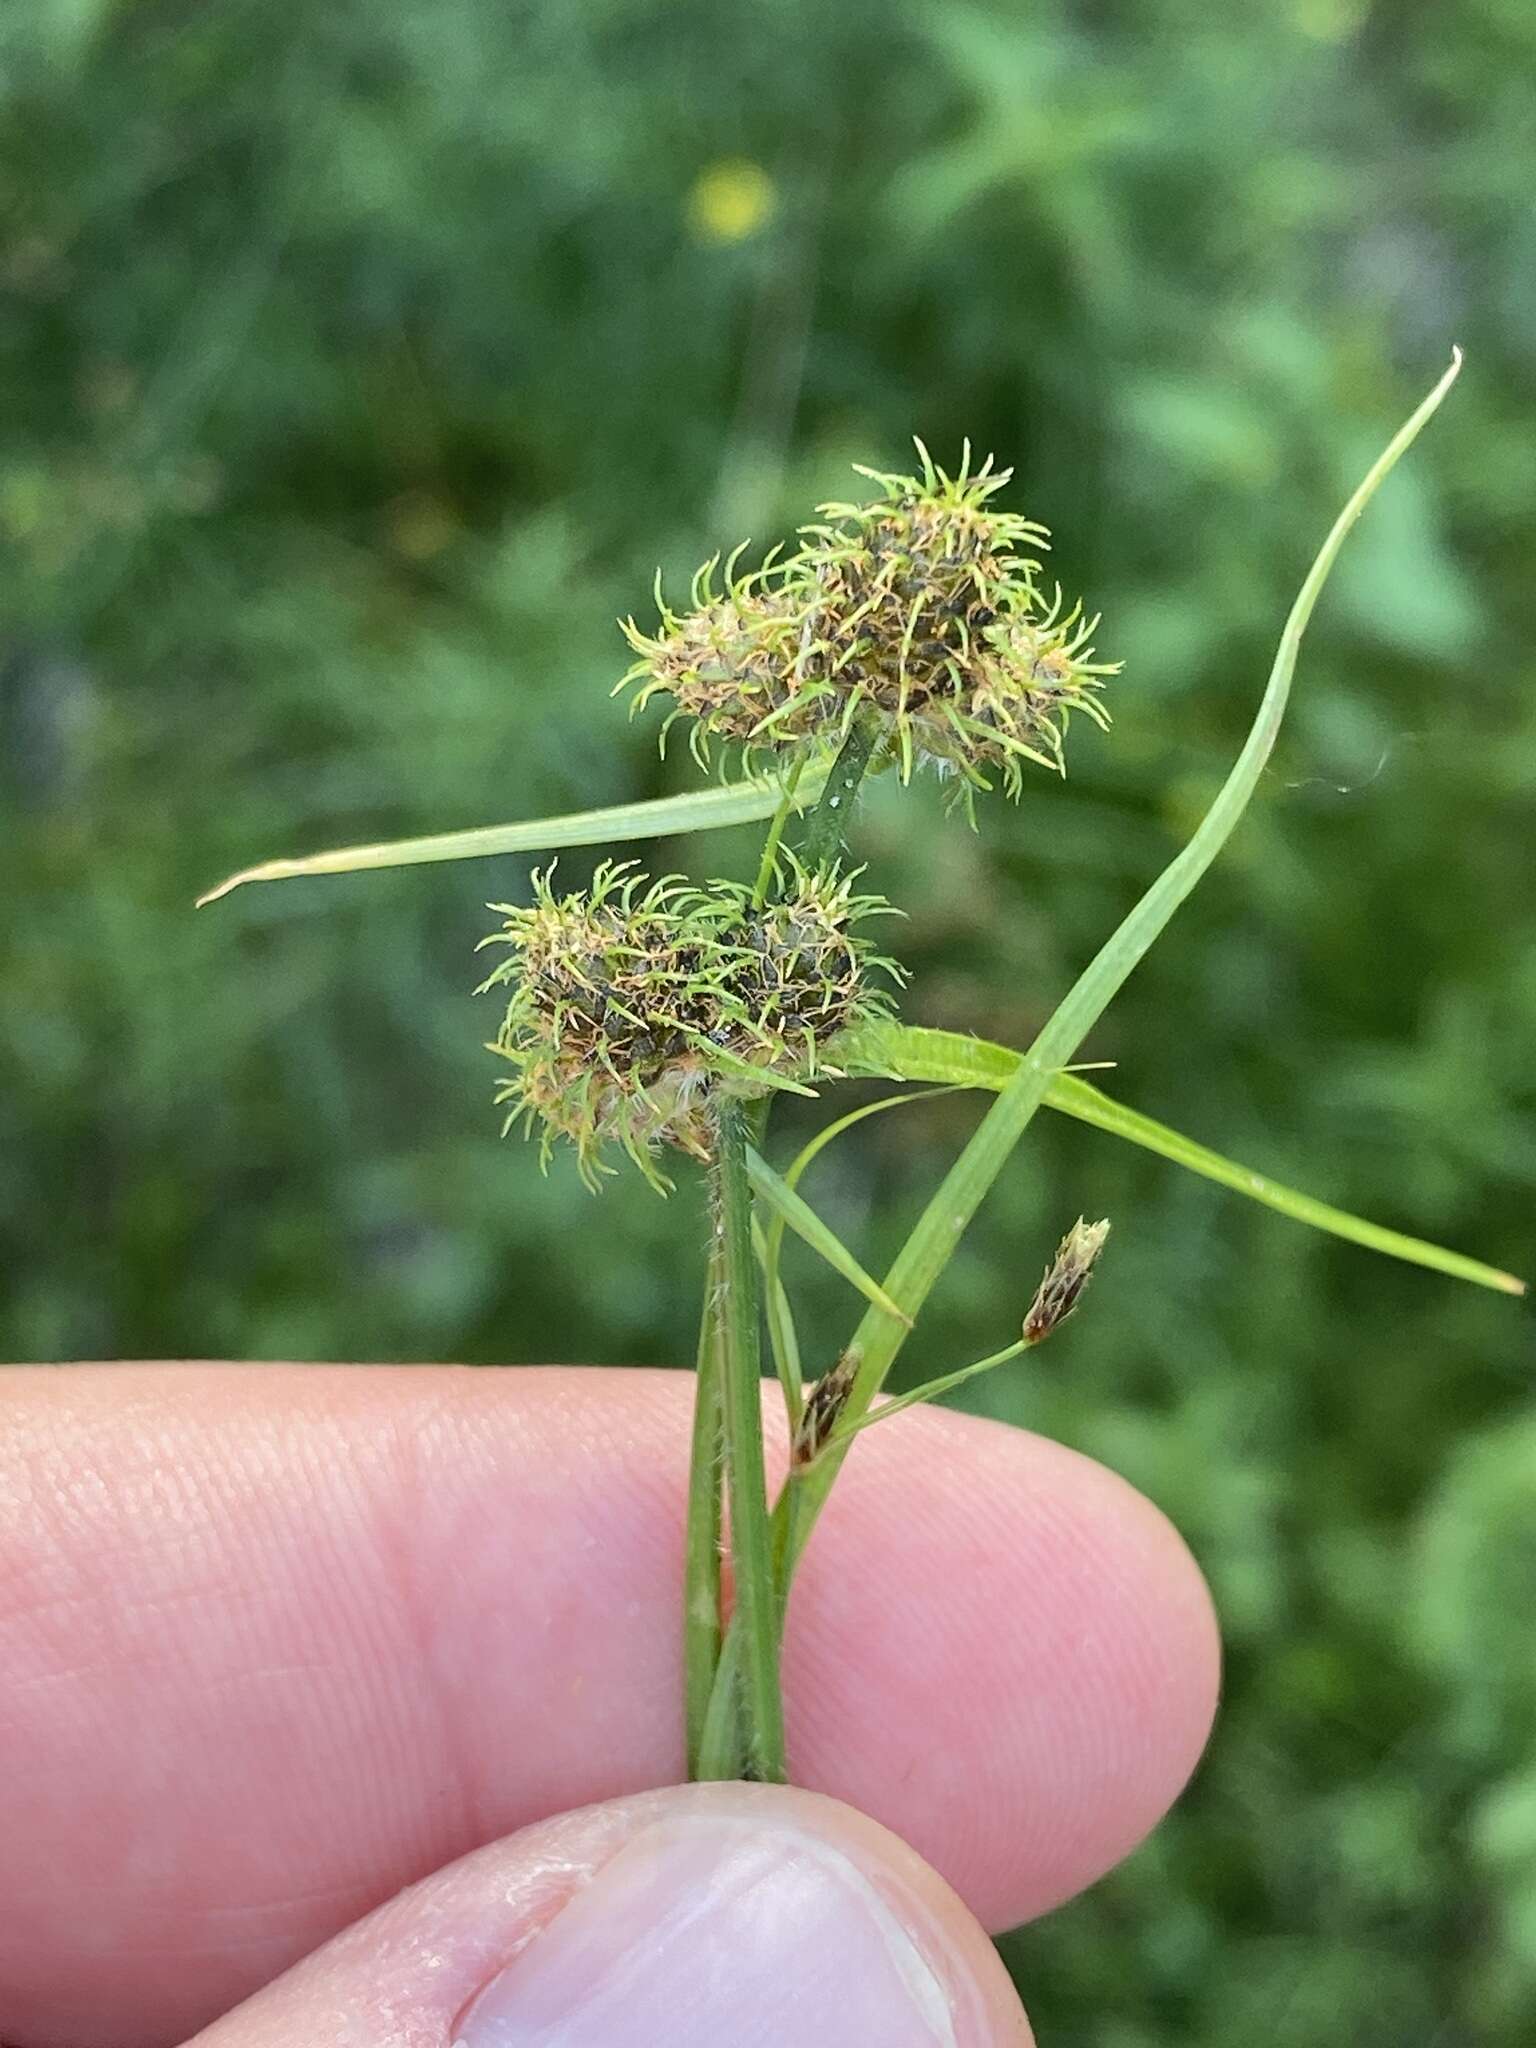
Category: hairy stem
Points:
column 701, row 1554
column 759, row 1751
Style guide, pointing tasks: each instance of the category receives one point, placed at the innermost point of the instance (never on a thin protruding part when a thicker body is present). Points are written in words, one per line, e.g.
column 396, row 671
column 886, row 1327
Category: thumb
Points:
column 748, row 1914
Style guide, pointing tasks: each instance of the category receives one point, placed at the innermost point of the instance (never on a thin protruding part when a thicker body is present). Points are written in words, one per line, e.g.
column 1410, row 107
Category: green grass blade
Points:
column 928, row 1249
column 699, row 810
column 780, row 1197
column 702, row 1609
column 781, row 1324
column 904, row 1053
column 759, row 1753
column 783, row 1339
column 917, row 1052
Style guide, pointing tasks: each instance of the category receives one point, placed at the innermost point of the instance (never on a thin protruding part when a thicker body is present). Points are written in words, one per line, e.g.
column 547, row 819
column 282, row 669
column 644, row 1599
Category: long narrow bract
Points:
column 903, row 1052
column 661, row 817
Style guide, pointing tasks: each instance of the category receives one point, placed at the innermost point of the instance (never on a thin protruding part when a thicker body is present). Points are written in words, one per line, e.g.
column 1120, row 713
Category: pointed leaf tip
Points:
column 731, row 803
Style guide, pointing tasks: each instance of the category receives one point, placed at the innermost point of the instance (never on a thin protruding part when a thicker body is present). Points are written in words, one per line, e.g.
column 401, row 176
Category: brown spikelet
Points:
column 823, row 1410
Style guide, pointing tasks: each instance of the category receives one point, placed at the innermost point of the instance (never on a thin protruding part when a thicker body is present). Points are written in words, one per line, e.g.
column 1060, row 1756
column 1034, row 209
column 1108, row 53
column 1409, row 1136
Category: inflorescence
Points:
column 919, row 609
column 636, row 1004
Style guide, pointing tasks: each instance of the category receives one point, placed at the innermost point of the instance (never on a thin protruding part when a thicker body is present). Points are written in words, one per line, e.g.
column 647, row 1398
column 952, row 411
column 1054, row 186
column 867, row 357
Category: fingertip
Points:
column 425, row 1608
column 1004, row 1651
column 695, row 1915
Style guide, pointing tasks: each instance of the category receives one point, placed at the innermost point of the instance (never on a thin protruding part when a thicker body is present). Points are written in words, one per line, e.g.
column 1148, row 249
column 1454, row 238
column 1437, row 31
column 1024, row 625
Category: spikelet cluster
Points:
column 920, row 608
column 635, row 1003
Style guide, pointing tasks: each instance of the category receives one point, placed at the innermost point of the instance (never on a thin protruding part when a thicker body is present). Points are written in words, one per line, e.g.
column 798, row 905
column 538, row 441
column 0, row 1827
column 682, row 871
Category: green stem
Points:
column 701, row 1555
column 775, row 833
column 757, row 1618
column 822, row 840
column 931, row 1390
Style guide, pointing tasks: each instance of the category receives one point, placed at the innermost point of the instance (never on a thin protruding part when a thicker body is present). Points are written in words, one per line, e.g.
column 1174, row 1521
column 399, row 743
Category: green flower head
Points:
column 919, row 608
column 636, row 1004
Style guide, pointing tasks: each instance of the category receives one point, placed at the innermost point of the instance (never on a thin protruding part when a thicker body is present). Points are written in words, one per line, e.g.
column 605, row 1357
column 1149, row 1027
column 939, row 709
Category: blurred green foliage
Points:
column 358, row 363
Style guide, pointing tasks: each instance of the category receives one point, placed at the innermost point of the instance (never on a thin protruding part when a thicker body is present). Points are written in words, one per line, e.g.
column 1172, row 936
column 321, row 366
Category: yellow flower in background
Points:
column 1331, row 21
column 420, row 526
column 730, row 200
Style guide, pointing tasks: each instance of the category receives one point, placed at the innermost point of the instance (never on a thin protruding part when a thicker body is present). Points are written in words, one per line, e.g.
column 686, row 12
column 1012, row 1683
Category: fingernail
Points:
column 703, row 1930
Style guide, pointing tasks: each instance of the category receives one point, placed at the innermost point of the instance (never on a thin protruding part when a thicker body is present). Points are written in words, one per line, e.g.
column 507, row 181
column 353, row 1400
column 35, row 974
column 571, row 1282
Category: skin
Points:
column 368, row 1989
column 277, row 1641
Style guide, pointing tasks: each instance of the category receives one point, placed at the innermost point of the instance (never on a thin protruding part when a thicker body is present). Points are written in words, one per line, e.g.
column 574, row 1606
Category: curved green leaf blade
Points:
column 802, row 1219
column 829, row 1132
column 783, row 1338
column 938, row 1231
column 928, row 1249
column 773, row 1237
column 699, row 810
column 905, row 1053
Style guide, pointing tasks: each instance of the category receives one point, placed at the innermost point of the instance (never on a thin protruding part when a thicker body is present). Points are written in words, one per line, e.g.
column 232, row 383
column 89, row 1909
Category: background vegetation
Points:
column 358, row 363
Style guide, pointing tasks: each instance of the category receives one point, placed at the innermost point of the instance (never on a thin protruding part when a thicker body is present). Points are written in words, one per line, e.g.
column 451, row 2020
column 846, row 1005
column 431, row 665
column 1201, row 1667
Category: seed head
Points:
column 723, row 662
column 823, row 1410
column 920, row 608
column 1065, row 1278
column 636, row 1004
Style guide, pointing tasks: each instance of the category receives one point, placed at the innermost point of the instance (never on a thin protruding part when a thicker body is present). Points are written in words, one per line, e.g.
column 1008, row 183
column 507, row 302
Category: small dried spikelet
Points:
column 920, row 607
column 1061, row 1287
column 824, row 1406
column 636, row 1004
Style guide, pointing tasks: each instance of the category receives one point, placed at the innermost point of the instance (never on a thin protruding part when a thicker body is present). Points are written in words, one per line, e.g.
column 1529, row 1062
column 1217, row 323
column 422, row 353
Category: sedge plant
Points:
column 651, row 1022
